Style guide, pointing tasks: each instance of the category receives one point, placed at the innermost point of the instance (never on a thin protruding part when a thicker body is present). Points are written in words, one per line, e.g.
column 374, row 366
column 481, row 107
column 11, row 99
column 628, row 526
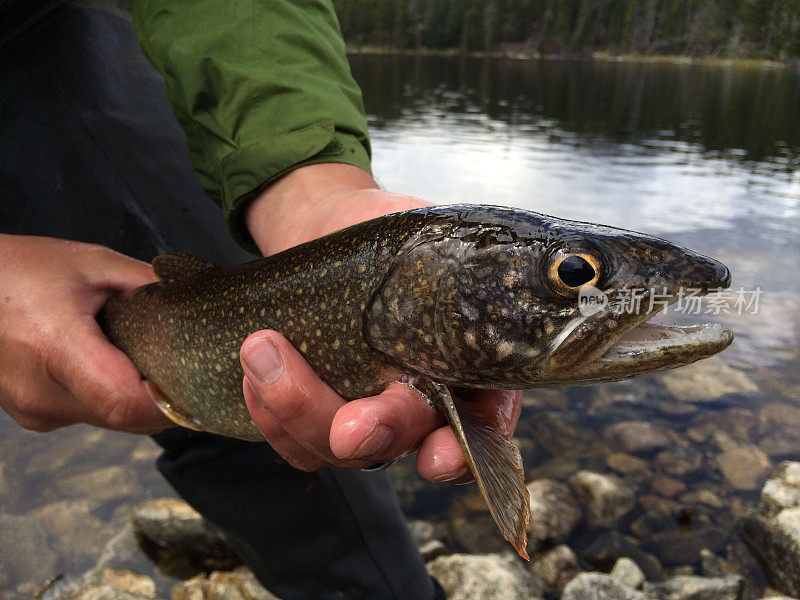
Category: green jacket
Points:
column 260, row 87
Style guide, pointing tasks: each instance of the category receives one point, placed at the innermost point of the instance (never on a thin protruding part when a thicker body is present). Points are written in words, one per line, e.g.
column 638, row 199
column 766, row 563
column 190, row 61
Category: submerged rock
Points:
column 635, row 437
column 239, row 584
column 101, row 485
column 706, row 380
column 101, row 584
column 607, row 497
column 744, row 467
column 25, row 553
column 483, row 577
column 554, row 512
column 690, row 587
column 610, row 547
column 556, row 567
column 626, row 463
column 597, row 586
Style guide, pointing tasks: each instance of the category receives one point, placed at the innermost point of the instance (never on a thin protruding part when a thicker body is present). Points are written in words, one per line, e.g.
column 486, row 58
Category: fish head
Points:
column 514, row 299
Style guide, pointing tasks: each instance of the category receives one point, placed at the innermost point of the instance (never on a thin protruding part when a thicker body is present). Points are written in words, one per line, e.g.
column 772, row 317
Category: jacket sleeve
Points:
column 260, row 87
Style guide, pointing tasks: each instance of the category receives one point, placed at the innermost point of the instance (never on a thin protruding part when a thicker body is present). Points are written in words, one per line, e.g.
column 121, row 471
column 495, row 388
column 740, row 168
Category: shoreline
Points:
column 599, row 56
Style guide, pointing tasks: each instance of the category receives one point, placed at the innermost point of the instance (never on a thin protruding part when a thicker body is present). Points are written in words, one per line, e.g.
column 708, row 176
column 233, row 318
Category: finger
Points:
column 383, row 427
column 284, row 444
column 105, row 382
column 440, row 458
column 288, row 387
column 111, row 270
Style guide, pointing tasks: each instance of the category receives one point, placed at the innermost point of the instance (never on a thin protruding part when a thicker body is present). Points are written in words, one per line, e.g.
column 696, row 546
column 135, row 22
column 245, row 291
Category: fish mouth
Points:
column 636, row 347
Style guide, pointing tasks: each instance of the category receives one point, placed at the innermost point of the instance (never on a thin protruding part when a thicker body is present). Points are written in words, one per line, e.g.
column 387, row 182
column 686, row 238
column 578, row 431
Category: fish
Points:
column 442, row 298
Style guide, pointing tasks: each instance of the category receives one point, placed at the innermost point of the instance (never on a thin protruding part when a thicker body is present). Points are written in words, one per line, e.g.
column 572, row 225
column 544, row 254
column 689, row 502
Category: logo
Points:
column 591, row 300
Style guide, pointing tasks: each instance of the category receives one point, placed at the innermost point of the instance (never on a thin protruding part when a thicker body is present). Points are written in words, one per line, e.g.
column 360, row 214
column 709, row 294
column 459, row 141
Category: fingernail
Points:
column 378, row 442
column 453, row 477
column 264, row 362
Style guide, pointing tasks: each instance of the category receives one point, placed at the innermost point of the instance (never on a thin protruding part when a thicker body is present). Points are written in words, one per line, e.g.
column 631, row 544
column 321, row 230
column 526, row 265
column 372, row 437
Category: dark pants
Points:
column 90, row 151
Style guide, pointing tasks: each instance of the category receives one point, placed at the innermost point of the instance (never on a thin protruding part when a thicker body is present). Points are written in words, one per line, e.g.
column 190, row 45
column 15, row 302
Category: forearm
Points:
column 261, row 87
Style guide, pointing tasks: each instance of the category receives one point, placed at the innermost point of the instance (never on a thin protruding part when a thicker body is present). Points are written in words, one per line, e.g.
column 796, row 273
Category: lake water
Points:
column 706, row 156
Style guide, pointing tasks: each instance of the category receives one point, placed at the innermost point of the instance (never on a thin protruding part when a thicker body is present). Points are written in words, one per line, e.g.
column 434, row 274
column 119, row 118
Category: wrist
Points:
column 315, row 200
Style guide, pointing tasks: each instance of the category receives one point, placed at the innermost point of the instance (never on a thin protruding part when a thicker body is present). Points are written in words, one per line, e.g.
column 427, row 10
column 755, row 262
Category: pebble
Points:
column 483, row 577
column 626, row 463
column 628, row 572
column 744, row 467
column 636, row 437
column 783, row 491
column 701, row 496
column 239, row 584
column 696, row 588
column 667, row 486
column 67, row 521
column 676, row 547
column 706, row 380
column 597, row 586
column 606, row 497
column 554, row 512
column 556, row 567
column 679, row 462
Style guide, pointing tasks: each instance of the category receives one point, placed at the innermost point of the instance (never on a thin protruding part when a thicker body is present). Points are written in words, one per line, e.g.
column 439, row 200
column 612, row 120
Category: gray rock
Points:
column 426, row 531
column 597, row 586
column 611, row 546
column 108, row 483
column 628, row 572
column 484, row 577
column 477, row 534
column 606, row 497
column 432, row 549
column 239, row 584
column 626, row 463
column 556, row 567
column 679, row 462
column 32, row 559
column 729, row 587
column 106, row 592
column 776, row 540
column 554, row 512
column 744, row 467
column 636, row 437
column 66, row 522
column 705, row 381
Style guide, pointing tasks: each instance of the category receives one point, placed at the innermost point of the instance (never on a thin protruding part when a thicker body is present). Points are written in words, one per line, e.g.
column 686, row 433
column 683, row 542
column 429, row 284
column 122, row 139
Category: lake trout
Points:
column 439, row 298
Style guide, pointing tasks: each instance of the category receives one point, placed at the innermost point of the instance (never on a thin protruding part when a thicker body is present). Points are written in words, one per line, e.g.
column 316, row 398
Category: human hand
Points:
column 56, row 366
column 303, row 419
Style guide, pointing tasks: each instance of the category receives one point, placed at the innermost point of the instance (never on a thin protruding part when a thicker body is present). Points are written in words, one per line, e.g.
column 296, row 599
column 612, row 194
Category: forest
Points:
column 727, row 28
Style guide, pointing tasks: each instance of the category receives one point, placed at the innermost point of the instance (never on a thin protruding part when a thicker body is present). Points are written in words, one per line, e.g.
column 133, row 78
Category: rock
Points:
column 239, row 584
column 675, row 547
column 596, row 586
column 610, row 547
column 775, row 537
column 783, row 491
column 557, row 566
column 606, row 497
column 667, row 486
column 712, row 565
column 554, row 512
column 705, row 381
column 69, row 520
column 146, row 451
column 65, row 449
column 172, row 522
column 744, row 467
column 124, row 579
column 477, row 534
column 483, row 577
column 432, row 549
column 108, row 483
column 696, row 588
column 679, row 462
column 106, row 592
column 32, row 559
column 705, row 497
column 636, row 437
column 628, row 572
column 626, row 463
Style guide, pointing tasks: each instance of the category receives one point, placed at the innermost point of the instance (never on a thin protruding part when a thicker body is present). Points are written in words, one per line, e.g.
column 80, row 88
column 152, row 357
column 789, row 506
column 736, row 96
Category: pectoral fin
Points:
column 494, row 461
column 168, row 408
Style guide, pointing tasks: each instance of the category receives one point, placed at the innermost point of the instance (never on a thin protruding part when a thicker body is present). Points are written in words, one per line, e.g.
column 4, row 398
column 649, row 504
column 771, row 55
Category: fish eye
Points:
column 567, row 272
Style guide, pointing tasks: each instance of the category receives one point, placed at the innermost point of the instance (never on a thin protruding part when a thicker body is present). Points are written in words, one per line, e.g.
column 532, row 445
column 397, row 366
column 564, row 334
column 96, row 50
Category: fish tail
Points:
column 496, row 465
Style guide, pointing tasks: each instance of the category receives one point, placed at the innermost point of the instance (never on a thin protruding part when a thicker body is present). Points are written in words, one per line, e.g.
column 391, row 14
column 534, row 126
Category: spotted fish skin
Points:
column 437, row 297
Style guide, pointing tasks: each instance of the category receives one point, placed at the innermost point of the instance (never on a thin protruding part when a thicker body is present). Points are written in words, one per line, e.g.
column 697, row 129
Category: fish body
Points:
column 466, row 296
